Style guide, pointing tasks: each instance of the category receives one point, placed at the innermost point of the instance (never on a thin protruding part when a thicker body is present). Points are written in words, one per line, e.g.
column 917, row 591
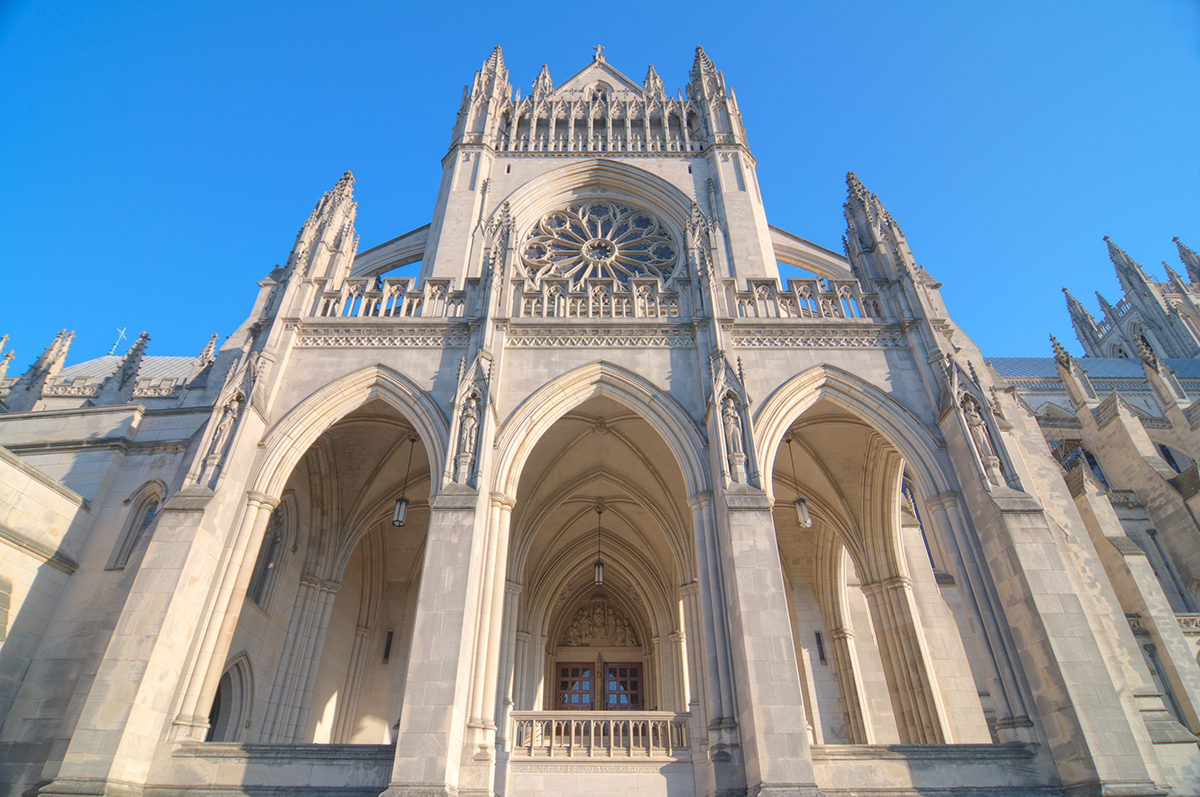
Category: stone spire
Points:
column 715, row 101
column 542, row 84
column 1130, row 274
column 27, row 390
column 119, row 386
column 327, row 242
column 482, row 102
column 653, row 83
column 1174, row 278
column 1191, row 261
column 1085, row 326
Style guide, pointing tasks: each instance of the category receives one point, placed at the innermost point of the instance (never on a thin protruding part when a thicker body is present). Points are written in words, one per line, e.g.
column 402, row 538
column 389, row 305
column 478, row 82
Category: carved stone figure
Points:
column 732, row 422
column 470, row 426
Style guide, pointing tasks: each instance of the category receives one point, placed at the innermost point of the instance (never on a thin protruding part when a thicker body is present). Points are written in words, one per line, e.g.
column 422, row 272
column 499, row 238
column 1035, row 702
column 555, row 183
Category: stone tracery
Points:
column 599, row 239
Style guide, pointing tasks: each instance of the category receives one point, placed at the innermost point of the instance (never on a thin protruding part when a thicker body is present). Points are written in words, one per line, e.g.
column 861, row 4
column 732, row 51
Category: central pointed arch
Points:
column 521, row 431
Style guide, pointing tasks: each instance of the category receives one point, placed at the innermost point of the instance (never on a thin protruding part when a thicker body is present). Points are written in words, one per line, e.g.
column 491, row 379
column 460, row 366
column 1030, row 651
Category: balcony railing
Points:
column 612, row 734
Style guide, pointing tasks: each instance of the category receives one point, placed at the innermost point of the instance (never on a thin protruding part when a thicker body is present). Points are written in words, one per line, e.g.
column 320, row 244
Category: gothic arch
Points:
column 525, row 426
column 606, row 178
column 915, row 442
column 147, row 502
column 289, row 439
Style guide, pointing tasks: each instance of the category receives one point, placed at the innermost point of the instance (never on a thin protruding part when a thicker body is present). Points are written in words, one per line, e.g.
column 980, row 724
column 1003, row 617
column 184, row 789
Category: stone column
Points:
column 920, row 717
column 347, row 706
column 846, row 668
column 997, row 651
column 434, row 714
column 771, row 718
column 304, row 641
column 192, row 721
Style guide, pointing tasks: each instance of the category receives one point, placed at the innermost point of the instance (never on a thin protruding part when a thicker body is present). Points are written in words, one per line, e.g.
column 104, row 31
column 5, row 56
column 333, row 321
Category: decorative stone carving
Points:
column 599, row 239
column 981, row 438
column 599, row 624
column 735, row 440
column 468, row 433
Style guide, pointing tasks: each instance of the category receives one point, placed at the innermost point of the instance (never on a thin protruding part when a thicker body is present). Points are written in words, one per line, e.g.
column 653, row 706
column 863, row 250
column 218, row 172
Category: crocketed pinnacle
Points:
column 1191, row 261
column 542, row 84
column 494, row 62
column 1061, row 356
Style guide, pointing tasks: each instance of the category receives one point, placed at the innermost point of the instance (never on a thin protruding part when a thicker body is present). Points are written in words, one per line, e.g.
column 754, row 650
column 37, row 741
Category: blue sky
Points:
column 159, row 157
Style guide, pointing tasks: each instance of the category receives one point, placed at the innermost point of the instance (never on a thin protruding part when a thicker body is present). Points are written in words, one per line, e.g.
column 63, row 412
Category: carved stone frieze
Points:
column 599, row 624
column 396, row 336
column 831, row 337
column 562, row 337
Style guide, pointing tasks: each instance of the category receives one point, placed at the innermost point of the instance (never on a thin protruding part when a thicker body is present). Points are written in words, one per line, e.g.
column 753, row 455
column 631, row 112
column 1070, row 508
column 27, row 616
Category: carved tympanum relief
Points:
column 599, row 624
column 599, row 239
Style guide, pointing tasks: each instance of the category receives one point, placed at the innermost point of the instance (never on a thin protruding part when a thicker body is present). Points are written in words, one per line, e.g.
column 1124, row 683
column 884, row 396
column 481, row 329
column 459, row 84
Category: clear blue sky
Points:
column 158, row 158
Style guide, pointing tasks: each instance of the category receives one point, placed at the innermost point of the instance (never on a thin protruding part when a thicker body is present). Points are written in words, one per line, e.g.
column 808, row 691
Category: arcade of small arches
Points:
column 881, row 635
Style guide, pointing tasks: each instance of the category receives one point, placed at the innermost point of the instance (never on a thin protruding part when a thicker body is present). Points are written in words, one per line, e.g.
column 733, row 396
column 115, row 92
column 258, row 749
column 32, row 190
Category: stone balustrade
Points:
column 628, row 734
column 393, row 297
column 803, row 298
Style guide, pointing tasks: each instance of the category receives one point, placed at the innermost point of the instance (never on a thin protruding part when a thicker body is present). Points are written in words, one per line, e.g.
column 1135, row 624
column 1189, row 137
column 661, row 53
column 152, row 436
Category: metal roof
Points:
column 1096, row 367
column 151, row 368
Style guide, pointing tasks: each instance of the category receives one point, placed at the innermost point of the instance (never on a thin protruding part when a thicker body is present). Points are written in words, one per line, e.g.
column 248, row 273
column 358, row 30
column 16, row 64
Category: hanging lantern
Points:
column 599, row 566
column 802, row 517
column 401, row 509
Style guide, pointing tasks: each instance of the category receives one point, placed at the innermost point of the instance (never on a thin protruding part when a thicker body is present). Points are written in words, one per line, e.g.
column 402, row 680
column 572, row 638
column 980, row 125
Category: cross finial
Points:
column 599, row 48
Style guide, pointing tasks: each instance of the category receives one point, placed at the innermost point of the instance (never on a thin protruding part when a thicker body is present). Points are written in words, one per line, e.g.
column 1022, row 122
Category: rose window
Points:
column 601, row 239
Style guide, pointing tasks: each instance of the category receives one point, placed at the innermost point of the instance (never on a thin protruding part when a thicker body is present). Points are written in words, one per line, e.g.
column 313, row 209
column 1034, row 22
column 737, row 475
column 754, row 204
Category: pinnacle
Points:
column 495, row 61
column 1060, row 353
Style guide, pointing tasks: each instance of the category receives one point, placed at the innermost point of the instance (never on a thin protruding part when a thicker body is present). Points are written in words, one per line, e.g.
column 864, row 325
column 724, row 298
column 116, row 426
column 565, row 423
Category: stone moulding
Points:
column 390, row 336
column 248, row 752
column 822, row 337
column 549, row 337
column 910, row 752
column 593, row 766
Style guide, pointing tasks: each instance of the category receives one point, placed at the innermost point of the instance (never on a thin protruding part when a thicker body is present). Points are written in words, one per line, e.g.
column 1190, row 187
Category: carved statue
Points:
column 469, row 429
column 229, row 415
column 732, row 422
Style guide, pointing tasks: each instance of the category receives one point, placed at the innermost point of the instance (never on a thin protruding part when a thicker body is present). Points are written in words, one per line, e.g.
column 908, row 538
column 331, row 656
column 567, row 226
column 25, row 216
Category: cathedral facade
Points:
column 595, row 502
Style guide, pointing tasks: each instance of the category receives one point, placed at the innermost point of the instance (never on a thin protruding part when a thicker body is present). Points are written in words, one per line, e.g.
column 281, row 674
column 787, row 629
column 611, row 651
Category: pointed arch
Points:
column 521, row 431
column 610, row 178
column 289, row 439
column 916, row 442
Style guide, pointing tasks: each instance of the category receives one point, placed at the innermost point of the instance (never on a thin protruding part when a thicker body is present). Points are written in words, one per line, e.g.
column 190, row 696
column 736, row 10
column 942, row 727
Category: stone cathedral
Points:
column 594, row 501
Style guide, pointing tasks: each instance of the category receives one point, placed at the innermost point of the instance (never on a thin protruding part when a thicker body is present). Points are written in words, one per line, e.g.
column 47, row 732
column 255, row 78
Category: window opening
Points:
column 575, row 682
column 623, row 687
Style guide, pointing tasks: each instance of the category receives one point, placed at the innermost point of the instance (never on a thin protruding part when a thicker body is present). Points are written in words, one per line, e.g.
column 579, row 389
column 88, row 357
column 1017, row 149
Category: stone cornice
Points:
column 626, row 334
column 800, row 335
column 383, row 332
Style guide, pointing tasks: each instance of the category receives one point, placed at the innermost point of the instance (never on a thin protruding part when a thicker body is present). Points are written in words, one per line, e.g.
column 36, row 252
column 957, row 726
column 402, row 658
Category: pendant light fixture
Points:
column 402, row 502
column 599, row 566
column 803, row 519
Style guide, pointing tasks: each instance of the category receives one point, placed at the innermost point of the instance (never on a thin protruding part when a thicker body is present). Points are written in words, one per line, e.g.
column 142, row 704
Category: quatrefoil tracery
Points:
column 599, row 239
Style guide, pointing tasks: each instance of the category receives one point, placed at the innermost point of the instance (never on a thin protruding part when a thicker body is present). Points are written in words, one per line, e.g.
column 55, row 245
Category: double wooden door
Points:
column 577, row 688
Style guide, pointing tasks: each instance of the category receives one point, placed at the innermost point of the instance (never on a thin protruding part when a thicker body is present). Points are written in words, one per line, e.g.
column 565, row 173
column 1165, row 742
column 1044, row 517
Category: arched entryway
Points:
column 881, row 637
column 328, row 616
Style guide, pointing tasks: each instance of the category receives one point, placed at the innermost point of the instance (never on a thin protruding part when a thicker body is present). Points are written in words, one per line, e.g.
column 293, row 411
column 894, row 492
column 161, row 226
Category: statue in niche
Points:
column 218, row 448
column 470, row 426
column 468, row 431
column 981, row 439
column 731, row 422
column 733, row 426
